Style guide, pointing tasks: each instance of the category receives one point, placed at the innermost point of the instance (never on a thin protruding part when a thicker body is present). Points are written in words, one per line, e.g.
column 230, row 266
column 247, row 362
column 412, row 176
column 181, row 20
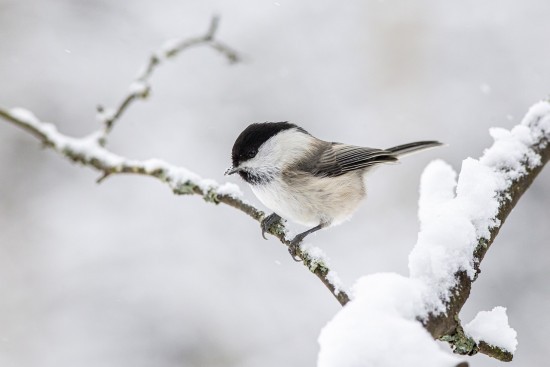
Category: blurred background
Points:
column 127, row 274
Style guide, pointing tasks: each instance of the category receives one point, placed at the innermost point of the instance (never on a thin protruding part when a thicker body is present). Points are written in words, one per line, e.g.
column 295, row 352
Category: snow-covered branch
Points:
column 460, row 219
column 90, row 151
column 486, row 192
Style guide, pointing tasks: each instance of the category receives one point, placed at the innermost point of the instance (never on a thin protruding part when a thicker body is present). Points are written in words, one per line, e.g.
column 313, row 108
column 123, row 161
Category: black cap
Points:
column 251, row 139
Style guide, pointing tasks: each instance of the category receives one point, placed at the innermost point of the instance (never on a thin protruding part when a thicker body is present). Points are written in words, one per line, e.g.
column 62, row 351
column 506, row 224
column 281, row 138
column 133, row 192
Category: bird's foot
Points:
column 269, row 222
column 294, row 247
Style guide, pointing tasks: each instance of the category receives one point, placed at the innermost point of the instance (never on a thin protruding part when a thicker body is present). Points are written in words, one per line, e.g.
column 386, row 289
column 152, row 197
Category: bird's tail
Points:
column 406, row 149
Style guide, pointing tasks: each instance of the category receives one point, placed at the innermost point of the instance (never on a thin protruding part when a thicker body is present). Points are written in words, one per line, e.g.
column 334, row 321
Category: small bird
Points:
column 312, row 182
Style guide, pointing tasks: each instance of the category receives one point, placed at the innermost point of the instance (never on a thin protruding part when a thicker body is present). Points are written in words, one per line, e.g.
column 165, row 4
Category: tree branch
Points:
column 140, row 87
column 90, row 151
column 446, row 326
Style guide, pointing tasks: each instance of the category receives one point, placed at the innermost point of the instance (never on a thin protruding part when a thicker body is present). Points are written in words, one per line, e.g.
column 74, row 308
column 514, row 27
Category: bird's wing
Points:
column 337, row 159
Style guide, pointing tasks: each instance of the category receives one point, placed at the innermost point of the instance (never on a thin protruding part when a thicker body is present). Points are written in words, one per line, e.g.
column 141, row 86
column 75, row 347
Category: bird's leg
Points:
column 268, row 222
column 295, row 242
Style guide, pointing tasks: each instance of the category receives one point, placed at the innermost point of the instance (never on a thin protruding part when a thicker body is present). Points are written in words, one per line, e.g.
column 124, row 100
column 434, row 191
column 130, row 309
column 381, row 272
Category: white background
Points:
column 127, row 274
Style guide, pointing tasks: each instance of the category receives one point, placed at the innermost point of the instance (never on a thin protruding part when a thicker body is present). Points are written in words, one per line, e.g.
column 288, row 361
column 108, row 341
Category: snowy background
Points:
column 126, row 274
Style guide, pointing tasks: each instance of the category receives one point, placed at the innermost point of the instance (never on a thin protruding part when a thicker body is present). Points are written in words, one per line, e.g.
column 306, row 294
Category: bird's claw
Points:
column 294, row 248
column 294, row 245
column 268, row 222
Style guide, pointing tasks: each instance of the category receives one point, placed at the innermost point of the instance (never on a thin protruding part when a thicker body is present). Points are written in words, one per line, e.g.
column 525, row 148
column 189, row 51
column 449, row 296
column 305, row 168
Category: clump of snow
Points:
column 177, row 176
column 477, row 196
column 153, row 165
column 438, row 184
column 138, row 88
column 454, row 217
column 379, row 328
column 334, row 279
column 229, row 189
column 316, row 255
column 319, row 258
column 492, row 327
column 538, row 119
column 89, row 148
column 24, row 115
column 207, row 184
column 448, row 235
column 510, row 150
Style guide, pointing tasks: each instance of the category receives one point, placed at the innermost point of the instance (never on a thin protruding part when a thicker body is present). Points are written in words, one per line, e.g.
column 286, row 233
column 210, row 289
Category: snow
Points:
column 230, row 189
column 315, row 253
column 138, row 88
column 492, row 327
column 477, row 196
column 438, row 185
column 451, row 226
column 334, row 279
column 379, row 328
column 538, row 118
column 177, row 176
column 319, row 258
column 455, row 216
column 24, row 115
column 89, row 148
column 510, row 149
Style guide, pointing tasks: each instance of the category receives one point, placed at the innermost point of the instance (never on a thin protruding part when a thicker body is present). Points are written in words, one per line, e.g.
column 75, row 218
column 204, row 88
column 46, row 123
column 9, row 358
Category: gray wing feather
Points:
column 337, row 159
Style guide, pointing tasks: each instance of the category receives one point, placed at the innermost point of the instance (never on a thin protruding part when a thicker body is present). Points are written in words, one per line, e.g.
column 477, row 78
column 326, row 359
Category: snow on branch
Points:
column 392, row 319
column 492, row 328
column 90, row 151
column 486, row 192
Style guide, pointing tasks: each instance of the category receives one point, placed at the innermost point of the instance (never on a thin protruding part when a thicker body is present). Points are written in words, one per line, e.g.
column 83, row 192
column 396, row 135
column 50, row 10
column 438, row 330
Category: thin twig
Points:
column 140, row 87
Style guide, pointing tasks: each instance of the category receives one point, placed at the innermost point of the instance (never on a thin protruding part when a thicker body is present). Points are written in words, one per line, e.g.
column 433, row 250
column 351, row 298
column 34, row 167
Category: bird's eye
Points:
column 251, row 154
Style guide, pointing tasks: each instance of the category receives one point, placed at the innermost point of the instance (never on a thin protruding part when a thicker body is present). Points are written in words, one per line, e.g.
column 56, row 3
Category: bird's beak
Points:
column 232, row 170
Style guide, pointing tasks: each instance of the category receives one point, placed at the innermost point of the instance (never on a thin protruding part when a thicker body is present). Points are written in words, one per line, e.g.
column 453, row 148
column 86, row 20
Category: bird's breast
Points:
column 310, row 200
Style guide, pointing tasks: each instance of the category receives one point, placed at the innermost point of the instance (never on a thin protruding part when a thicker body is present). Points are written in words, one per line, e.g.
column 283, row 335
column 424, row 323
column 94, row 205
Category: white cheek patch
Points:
column 281, row 150
column 278, row 152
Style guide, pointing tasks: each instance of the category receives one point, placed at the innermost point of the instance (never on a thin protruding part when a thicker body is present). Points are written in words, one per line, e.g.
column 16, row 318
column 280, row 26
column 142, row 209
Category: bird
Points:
column 304, row 179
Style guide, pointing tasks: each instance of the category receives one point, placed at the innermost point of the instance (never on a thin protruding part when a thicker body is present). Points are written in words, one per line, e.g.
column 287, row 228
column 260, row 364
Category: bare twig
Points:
column 140, row 87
